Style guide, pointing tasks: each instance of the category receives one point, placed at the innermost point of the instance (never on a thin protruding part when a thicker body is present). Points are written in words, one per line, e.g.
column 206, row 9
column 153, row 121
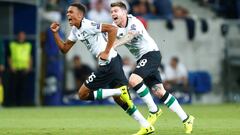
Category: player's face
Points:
column 118, row 14
column 74, row 16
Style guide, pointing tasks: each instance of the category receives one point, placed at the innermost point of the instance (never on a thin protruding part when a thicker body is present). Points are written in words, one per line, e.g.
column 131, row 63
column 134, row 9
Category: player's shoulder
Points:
column 74, row 29
column 86, row 23
column 133, row 20
column 133, row 23
column 130, row 16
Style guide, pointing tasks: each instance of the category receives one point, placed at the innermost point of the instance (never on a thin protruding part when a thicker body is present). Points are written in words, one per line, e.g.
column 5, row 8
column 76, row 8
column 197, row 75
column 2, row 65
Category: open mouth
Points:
column 69, row 19
column 115, row 18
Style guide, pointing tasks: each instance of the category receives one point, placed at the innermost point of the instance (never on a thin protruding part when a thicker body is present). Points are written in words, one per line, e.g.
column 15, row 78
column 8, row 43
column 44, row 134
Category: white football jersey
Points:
column 141, row 44
column 90, row 34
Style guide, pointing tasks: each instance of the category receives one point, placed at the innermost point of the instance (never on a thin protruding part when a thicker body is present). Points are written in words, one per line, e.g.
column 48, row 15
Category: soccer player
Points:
column 134, row 36
column 110, row 70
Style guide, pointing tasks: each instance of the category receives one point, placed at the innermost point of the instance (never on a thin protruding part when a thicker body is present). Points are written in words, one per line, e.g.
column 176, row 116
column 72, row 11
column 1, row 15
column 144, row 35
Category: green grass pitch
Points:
column 111, row 120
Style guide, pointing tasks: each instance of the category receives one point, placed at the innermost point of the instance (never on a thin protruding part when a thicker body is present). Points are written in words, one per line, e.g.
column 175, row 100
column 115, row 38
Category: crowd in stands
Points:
column 98, row 10
column 229, row 9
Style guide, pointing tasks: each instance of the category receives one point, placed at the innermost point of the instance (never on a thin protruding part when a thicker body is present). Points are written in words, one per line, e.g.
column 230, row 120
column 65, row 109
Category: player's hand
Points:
column 55, row 27
column 104, row 55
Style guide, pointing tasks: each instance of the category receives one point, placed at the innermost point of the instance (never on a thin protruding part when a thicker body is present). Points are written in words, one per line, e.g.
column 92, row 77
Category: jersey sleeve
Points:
column 72, row 37
column 93, row 28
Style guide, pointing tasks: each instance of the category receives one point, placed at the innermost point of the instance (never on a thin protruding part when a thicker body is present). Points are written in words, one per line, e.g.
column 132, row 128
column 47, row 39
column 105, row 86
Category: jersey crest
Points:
column 133, row 27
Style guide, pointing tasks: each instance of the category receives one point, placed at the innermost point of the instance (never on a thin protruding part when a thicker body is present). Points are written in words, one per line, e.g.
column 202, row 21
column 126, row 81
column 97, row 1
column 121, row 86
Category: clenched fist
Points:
column 55, row 27
column 103, row 55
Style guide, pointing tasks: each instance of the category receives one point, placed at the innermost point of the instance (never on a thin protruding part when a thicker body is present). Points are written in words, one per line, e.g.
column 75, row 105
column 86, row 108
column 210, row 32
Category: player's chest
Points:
column 124, row 31
column 82, row 35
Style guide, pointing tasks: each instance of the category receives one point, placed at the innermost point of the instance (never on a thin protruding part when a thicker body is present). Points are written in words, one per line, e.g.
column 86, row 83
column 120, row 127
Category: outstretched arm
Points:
column 64, row 46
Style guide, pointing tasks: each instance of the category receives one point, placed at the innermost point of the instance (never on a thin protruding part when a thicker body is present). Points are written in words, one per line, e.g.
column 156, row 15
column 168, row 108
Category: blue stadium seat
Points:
column 200, row 81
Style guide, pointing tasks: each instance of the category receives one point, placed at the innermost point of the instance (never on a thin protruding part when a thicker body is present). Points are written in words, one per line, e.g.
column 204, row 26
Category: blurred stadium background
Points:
column 204, row 36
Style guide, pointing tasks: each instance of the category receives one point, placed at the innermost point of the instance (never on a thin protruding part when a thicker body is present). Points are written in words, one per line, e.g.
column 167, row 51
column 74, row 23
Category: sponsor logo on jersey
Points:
column 133, row 27
column 95, row 24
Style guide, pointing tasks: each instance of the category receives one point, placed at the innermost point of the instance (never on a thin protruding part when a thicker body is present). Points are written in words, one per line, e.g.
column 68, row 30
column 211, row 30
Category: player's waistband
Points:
column 149, row 53
column 102, row 62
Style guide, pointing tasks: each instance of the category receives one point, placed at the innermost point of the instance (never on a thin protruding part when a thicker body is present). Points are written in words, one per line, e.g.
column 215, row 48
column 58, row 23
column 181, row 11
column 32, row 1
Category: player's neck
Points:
column 124, row 22
column 79, row 24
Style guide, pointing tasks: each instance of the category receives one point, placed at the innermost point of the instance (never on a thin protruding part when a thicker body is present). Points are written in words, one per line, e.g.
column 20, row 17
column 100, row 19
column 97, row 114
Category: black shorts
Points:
column 110, row 75
column 147, row 68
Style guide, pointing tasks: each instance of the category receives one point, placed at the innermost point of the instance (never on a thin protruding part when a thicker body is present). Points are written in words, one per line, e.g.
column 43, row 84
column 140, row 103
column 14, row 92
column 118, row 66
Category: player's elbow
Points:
column 64, row 51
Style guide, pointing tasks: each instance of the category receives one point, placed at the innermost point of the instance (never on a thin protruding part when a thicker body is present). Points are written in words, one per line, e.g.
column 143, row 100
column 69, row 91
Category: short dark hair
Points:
column 80, row 7
column 119, row 4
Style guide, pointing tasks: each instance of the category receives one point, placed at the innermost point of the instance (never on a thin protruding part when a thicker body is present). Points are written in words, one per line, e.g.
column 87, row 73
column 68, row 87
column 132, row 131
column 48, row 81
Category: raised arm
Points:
column 112, row 34
column 64, row 46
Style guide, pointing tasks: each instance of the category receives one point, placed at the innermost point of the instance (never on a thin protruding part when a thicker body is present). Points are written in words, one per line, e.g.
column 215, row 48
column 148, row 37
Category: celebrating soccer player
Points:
column 134, row 36
column 110, row 70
